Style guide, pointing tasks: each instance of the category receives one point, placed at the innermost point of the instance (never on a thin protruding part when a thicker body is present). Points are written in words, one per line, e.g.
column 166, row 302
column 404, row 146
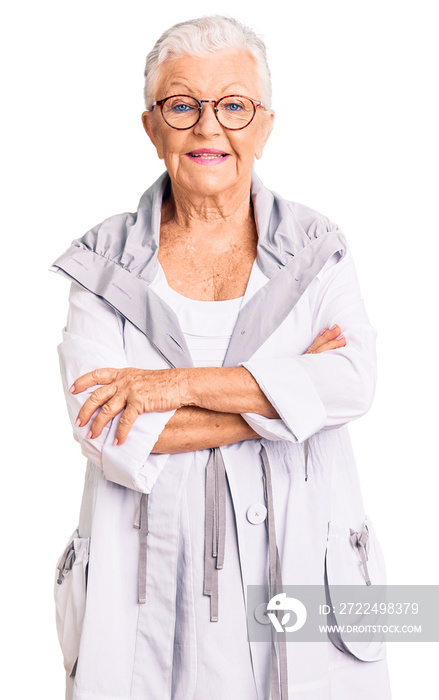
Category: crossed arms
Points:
column 209, row 401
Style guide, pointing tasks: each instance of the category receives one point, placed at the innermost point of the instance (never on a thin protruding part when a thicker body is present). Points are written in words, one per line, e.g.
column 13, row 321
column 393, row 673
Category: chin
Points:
column 210, row 180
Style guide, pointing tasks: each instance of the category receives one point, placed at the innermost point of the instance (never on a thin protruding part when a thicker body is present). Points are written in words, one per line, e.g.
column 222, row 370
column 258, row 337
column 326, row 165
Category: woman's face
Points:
column 209, row 78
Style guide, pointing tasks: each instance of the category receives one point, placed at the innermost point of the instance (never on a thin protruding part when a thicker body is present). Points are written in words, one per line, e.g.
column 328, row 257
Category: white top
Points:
column 207, row 325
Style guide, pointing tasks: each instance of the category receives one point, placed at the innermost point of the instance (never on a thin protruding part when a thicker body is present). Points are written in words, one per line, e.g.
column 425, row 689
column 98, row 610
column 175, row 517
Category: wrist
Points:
column 186, row 387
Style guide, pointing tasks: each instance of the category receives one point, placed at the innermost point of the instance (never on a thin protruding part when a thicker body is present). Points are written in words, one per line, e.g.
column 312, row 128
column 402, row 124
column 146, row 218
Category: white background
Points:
column 356, row 137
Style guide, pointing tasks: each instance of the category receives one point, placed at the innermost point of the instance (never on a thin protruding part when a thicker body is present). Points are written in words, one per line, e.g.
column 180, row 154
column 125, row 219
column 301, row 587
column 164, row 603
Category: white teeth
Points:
column 210, row 156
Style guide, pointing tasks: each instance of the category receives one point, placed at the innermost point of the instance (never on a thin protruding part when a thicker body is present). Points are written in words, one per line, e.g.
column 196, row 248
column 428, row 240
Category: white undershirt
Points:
column 207, row 325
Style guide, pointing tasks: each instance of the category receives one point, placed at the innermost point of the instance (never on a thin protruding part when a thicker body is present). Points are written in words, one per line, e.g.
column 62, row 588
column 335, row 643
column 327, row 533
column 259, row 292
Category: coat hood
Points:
column 117, row 260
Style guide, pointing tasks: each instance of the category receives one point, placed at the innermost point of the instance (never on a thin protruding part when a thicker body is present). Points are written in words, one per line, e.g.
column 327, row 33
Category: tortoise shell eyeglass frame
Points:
column 160, row 103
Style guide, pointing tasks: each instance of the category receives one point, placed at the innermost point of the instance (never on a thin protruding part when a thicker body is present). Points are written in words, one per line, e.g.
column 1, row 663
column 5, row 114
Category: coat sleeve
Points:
column 92, row 338
column 325, row 390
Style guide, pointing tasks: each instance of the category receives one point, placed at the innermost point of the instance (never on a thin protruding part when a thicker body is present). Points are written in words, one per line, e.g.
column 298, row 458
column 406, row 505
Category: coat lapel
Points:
column 265, row 310
column 118, row 261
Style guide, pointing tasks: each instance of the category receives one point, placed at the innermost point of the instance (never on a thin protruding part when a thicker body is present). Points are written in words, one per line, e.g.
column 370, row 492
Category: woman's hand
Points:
column 327, row 339
column 135, row 390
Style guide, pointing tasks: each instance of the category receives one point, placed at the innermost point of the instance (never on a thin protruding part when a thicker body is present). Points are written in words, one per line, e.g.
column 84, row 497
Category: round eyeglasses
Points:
column 232, row 111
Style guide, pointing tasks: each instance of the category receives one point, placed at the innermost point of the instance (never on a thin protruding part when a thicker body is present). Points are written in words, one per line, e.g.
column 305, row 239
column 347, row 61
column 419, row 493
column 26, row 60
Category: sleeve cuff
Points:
column 132, row 464
column 291, row 392
column 269, row 428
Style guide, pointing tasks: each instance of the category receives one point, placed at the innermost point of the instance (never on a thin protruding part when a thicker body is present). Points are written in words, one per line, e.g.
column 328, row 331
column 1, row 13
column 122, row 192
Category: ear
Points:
column 153, row 131
column 266, row 128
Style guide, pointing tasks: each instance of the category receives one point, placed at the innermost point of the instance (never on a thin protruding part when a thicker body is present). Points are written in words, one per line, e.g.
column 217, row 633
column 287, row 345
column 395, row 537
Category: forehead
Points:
column 210, row 76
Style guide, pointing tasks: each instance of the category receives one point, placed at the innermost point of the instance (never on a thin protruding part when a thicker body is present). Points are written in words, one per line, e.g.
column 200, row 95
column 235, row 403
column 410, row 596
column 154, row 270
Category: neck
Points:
column 189, row 210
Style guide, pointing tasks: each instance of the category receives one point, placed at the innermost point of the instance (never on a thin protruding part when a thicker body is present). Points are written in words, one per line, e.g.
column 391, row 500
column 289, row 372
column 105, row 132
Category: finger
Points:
column 323, row 337
column 103, row 375
column 318, row 341
column 95, row 400
column 126, row 422
column 332, row 345
column 108, row 411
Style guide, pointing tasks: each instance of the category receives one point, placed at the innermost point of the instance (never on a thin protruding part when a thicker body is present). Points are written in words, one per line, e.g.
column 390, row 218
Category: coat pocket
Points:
column 354, row 558
column 70, row 597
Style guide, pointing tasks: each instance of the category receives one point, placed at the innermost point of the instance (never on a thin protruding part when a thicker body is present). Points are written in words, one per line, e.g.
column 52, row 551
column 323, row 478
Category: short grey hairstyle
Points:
column 199, row 37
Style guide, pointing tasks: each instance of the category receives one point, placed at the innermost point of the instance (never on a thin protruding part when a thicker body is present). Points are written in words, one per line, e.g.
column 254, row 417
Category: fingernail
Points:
column 77, row 422
column 115, row 441
column 89, row 434
column 323, row 331
column 334, row 327
column 72, row 389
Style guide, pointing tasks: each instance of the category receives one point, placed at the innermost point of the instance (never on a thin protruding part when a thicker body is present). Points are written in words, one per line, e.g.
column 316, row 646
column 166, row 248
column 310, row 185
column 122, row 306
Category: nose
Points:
column 208, row 124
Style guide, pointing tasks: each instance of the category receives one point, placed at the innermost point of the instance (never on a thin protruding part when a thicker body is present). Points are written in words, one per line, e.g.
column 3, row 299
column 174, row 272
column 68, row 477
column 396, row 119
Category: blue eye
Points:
column 233, row 107
column 182, row 108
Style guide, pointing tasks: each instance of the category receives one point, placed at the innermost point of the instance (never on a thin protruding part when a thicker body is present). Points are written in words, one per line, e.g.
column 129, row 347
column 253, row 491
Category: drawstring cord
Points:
column 274, row 587
column 306, row 453
column 141, row 524
column 214, row 527
column 359, row 540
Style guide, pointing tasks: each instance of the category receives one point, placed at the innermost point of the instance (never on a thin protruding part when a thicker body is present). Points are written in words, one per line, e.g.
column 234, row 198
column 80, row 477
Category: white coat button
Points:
column 256, row 513
column 260, row 614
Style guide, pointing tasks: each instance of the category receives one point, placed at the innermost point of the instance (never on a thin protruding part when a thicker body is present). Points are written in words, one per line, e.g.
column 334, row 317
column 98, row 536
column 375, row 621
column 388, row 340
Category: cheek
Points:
column 245, row 149
column 168, row 148
column 172, row 161
column 170, row 145
column 246, row 141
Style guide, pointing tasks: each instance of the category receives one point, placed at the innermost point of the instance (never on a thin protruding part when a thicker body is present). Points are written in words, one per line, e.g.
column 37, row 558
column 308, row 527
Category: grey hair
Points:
column 199, row 37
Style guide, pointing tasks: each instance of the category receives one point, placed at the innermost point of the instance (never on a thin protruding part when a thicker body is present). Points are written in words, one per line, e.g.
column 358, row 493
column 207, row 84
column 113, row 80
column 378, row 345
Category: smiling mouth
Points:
column 208, row 157
column 205, row 155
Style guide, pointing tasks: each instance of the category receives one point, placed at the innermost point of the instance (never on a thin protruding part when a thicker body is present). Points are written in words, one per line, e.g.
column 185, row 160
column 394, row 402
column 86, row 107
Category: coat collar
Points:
column 117, row 260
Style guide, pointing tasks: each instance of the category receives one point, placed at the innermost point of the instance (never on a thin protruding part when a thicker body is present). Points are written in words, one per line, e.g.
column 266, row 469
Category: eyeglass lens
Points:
column 233, row 111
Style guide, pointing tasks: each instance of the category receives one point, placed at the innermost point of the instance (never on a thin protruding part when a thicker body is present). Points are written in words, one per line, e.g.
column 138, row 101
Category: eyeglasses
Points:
column 233, row 112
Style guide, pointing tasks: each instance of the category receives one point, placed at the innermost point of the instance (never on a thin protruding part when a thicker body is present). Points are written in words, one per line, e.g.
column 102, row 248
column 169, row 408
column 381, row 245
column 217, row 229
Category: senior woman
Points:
column 209, row 387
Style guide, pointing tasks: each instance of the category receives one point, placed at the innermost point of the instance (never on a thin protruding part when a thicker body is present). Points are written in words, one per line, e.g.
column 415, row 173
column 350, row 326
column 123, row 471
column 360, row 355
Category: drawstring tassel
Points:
column 359, row 540
column 67, row 561
column 141, row 524
column 274, row 587
column 214, row 527
column 306, row 453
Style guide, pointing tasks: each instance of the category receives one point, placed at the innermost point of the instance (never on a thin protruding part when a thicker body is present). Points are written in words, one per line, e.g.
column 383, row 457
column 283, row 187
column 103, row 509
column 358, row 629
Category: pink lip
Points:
column 196, row 156
column 206, row 150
